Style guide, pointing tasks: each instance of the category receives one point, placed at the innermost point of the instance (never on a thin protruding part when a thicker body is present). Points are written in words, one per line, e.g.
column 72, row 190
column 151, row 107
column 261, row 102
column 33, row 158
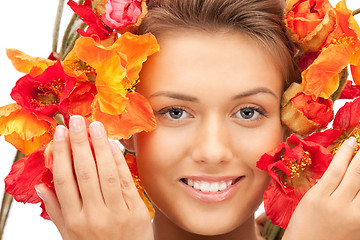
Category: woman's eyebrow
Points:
column 254, row 92
column 175, row 95
column 189, row 98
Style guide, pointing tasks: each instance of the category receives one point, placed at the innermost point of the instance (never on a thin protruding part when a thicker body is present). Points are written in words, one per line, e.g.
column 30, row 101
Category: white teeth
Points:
column 207, row 186
column 197, row 185
column 214, row 187
column 190, row 182
column 223, row 186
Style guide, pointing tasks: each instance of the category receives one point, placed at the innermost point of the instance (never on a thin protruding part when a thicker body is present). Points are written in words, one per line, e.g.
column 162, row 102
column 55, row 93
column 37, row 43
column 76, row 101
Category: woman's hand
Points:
column 95, row 199
column 331, row 209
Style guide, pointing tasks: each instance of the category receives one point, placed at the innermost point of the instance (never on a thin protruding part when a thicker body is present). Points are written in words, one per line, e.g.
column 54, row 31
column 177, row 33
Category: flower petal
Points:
column 138, row 116
column 25, row 174
column 25, row 130
column 120, row 14
column 25, row 63
column 44, row 93
column 321, row 77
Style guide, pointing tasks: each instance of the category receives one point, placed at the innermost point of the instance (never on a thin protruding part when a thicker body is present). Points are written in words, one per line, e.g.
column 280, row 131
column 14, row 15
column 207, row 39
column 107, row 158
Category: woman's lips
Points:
column 209, row 189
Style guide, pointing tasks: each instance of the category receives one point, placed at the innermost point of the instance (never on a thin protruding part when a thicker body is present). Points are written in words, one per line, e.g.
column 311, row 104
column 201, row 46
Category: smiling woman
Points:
column 203, row 117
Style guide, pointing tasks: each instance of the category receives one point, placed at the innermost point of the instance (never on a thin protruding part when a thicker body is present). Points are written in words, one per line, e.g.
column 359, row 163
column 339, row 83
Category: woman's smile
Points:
column 210, row 189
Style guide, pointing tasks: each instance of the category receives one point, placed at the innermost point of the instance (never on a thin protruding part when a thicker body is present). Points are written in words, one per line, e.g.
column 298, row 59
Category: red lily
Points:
column 294, row 166
column 45, row 93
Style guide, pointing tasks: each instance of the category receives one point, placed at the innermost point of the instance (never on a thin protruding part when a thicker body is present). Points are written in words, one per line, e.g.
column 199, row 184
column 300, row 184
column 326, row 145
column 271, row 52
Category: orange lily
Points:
column 25, row 130
column 27, row 64
column 321, row 78
column 138, row 116
column 117, row 66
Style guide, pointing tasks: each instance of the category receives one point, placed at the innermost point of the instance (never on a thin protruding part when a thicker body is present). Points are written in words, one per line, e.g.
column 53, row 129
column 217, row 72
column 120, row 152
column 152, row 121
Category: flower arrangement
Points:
column 327, row 41
column 95, row 73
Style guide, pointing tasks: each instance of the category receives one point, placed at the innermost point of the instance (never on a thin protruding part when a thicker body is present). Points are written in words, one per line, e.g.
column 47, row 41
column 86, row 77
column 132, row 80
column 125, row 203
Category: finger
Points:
column 349, row 186
column 128, row 188
column 52, row 205
column 106, row 166
column 63, row 173
column 84, row 163
column 337, row 168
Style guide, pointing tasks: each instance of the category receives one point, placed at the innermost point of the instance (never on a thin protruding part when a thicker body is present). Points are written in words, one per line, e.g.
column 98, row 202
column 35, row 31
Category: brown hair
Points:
column 261, row 20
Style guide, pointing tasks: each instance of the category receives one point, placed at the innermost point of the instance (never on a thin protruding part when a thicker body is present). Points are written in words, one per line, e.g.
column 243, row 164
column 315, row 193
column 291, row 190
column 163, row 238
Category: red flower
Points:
column 307, row 59
column 346, row 120
column 25, row 174
column 120, row 14
column 350, row 91
column 44, row 93
column 95, row 25
column 294, row 166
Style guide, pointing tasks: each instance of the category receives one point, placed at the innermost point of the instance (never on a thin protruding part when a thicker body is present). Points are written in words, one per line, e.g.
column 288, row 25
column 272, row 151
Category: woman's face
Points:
column 216, row 99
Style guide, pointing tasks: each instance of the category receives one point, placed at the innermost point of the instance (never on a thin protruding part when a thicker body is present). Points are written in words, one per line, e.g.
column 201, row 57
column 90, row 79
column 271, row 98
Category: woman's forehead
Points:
column 203, row 60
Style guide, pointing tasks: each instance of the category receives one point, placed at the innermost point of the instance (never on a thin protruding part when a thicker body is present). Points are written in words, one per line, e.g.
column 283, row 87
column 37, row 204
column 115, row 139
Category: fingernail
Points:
column 76, row 123
column 59, row 133
column 39, row 193
column 97, row 129
column 351, row 141
column 114, row 146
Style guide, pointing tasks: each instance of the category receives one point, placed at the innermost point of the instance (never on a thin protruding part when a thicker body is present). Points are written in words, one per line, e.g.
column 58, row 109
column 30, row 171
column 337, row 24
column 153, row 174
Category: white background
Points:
column 27, row 26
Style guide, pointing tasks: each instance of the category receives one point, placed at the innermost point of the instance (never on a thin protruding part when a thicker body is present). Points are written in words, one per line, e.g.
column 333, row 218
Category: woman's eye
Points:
column 248, row 113
column 175, row 113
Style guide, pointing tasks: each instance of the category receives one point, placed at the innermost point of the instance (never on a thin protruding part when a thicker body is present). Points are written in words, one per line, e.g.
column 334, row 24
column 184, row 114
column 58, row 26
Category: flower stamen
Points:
column 355, row 133
column 343, row 39
column 48, row 93
column 296, row 167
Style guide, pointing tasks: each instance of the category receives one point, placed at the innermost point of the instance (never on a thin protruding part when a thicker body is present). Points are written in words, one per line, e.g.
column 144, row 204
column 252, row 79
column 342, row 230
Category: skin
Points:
column 213, row 136
column 196, row 75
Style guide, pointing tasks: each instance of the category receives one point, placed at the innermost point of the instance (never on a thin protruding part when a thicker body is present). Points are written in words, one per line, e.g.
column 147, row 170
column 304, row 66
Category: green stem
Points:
column 272, row 232
column 59, row 14
column 356, row 11
column 71, row 41
column 59, row 119
column 7, row 201
column 67, row 33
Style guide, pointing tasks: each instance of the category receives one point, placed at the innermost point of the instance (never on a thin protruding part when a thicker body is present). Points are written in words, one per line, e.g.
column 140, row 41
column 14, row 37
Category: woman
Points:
column 215, row 89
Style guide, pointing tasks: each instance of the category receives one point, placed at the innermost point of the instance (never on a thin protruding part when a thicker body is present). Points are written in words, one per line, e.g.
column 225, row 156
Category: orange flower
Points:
column 26, row 64
column 138, row 116
column 321, row 78
column 75, row 67
column 308, row 22
column 25, row 130
column 80, row 100
column 117, row 66
column 355, row 68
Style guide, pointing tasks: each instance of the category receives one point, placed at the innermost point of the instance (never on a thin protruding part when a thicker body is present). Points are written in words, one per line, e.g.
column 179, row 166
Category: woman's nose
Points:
column 212, row 144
